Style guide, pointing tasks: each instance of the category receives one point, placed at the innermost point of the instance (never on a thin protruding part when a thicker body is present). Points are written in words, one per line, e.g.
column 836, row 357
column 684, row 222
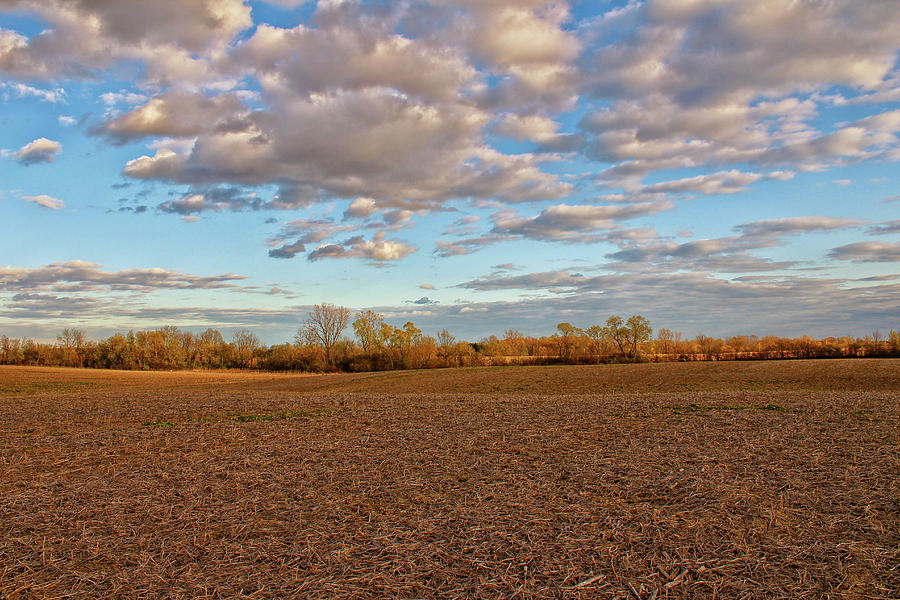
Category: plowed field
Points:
column 694, row 480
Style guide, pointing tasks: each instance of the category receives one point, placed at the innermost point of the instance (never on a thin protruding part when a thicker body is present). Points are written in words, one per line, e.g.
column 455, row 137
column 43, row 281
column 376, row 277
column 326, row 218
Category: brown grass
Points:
column 716, row 480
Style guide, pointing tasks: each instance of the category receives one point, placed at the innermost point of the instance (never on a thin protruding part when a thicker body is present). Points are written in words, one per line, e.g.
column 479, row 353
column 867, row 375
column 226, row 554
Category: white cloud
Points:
column 111, row 99
column 377, row 249
column 360, row 208
column 22, row 90
column 38, row 151
column 371, row 143
column 45, row 201
column 177, row 114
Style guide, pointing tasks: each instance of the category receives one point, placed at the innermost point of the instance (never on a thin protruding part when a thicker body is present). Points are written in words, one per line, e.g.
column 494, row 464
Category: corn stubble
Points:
column 633, row 481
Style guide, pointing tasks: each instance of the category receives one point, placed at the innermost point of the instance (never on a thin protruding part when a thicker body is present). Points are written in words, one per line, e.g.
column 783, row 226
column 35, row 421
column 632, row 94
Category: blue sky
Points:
column 719, row 166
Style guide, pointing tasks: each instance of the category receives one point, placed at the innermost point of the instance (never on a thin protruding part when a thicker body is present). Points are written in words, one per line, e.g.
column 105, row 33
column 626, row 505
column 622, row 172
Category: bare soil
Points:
column 680, row 480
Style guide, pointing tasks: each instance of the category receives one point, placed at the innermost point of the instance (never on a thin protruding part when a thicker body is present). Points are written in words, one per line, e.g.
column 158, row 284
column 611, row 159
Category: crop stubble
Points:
column 731, row 480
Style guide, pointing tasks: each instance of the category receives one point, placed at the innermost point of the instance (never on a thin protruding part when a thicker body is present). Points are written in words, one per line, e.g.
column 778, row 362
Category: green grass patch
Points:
column 157, row 422
column 197, row 420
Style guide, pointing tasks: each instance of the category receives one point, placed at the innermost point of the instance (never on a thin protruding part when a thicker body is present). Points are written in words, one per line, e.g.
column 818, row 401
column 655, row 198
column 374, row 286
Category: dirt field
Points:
column 694, row 480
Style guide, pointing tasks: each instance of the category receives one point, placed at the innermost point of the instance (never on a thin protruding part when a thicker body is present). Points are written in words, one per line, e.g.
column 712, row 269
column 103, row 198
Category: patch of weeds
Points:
column 198, row 420
column 861, row 414
column 279, row 416
column 157, row 422
column 773, row 406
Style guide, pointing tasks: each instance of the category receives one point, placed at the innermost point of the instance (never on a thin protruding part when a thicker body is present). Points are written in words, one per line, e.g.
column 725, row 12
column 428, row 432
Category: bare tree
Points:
column 72, row 342
column 666, row 338
column 876, row 341
column 324, row 326
column 245, row 344
column 445, row 339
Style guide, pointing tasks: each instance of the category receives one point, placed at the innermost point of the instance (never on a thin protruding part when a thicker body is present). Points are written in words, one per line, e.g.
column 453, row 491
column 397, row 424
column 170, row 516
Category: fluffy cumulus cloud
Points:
column 369, row 143
column 725, row 82
column 176, row 114
column 173, row 41
column 38, row 151
column 377, row 249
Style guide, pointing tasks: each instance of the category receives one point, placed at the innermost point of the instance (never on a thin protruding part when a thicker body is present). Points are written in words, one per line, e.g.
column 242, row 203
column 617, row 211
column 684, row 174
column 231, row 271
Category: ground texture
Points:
column 698, row 480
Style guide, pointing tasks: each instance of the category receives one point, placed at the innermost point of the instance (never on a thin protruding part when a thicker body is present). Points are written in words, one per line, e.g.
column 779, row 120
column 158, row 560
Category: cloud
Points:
column 214, row 200
column 176, row 113
column 303, row 232
column 38, row 151
column 867, row 252
column 66, row 121
column 22, row 90
column 370, row 143
column 795, row 225
column 389, row 111
column 295, row 237
column 45, row 201
column 704, row 84
column 445, row 248
column 709, row 50
column 427, row 286
column 288, row 250
column 539, row 129
column 723, row 182
column 111, row 99
column 347, row 51
column 578, row 223
column 729, row 254
column 176, row 41
column 886, row 228
column 780, row 305
column 360, row 208
column 79, row 275
column 424, row 300
column 377, row 249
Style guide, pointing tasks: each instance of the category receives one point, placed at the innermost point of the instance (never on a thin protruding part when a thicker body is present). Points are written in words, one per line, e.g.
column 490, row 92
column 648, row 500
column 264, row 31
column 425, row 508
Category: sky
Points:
column 718, row 166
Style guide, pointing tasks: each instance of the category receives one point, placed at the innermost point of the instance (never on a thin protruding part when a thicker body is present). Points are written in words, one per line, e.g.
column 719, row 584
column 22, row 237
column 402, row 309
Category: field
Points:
column 694, row 480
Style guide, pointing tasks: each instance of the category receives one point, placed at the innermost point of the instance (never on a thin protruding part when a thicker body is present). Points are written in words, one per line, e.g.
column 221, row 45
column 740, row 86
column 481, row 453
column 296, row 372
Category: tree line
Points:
column 320, row 345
